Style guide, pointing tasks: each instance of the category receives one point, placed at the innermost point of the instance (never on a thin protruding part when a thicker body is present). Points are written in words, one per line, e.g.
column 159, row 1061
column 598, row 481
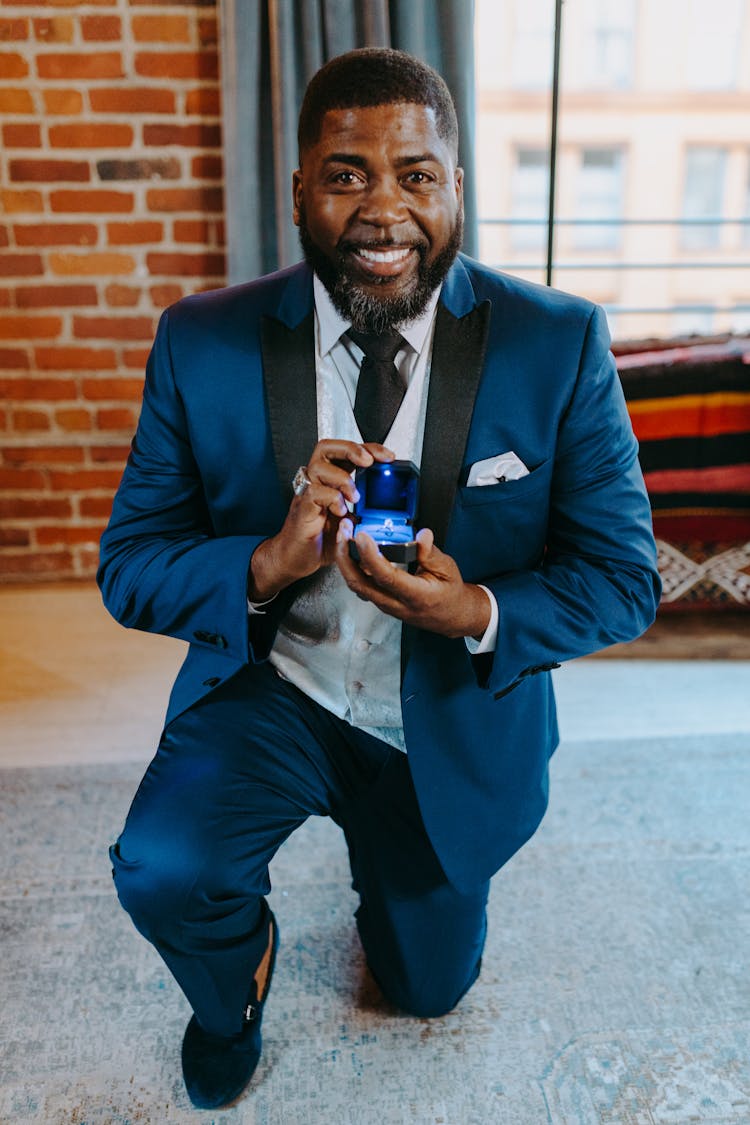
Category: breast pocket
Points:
column 501, row 527
column 507, row 491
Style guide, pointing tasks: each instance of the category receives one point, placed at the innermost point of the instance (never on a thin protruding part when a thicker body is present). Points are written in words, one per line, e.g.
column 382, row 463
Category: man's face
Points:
column 379, row 205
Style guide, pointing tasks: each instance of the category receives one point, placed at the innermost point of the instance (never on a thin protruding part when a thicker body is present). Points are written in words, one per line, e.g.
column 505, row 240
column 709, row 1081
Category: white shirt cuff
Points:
column 488, row 641
column 260, row 607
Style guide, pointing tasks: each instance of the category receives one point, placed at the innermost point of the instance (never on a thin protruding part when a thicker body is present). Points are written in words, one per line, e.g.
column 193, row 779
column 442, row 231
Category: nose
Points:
column 383, row 204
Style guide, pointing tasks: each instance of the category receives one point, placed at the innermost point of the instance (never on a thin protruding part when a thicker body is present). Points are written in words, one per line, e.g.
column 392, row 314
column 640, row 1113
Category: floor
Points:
column 614, row 989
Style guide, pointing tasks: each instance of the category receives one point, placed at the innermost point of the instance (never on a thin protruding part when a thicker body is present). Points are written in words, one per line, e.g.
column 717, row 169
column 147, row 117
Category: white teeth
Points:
column 383, row 255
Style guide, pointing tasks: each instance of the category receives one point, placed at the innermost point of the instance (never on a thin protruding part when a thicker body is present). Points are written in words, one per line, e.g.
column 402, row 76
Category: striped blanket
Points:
column 690, row 409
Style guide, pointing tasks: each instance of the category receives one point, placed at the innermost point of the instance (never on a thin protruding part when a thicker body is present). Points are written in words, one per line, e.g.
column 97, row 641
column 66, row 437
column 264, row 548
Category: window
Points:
column 534, row 27
column 714, row 35
column 653, row 169
column 697, row 321
column 739, row 318
column 608, row 44
column 703, row 195
column 599, row 196
column 530, row 198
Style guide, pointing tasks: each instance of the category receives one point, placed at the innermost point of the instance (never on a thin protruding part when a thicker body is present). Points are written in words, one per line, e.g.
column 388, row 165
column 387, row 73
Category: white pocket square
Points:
column 505, row 466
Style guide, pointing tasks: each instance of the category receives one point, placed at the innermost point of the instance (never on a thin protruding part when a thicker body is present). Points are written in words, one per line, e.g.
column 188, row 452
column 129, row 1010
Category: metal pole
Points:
column 553, row 140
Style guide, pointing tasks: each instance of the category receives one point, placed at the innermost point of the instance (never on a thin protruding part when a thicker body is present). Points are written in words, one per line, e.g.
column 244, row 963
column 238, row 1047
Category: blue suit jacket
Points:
column 229, row 412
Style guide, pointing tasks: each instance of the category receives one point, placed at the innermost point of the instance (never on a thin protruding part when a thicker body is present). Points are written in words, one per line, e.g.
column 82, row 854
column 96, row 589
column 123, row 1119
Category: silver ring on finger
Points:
column 301, row 481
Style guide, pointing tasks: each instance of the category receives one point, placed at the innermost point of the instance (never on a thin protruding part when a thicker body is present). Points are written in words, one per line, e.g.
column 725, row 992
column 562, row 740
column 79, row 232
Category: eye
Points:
column 344, row 178
column 419, row 177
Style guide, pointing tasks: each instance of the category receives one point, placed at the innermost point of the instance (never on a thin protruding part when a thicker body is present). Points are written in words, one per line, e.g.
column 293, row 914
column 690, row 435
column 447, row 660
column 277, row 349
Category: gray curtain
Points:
column 270, row 50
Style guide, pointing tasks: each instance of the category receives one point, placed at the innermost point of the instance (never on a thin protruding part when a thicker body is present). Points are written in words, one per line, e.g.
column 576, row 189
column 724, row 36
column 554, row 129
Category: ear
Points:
column 458, row 180
column 296, row 195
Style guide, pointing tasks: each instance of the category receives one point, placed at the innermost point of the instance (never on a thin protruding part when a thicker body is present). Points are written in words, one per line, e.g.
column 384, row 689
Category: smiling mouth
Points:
column 383, row 262
column 384, row 255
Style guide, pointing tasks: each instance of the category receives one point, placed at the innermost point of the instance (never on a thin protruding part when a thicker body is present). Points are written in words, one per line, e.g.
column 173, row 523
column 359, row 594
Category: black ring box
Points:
column 387, row 508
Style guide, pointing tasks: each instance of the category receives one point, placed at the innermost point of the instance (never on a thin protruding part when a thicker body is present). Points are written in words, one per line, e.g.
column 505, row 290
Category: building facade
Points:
column 652, row 214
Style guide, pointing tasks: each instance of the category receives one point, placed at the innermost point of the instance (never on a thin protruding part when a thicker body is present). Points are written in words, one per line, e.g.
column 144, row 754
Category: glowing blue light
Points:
column 386, row 472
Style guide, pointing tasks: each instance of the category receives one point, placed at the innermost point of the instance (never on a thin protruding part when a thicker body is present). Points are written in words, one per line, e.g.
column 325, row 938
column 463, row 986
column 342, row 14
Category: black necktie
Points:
column 380, row 388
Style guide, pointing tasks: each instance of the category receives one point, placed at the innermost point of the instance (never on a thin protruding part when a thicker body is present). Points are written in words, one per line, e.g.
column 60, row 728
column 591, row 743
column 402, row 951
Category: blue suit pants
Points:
column 231, row 780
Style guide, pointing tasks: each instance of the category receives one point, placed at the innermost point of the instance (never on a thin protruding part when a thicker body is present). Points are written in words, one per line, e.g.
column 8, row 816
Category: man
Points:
column 411, row 704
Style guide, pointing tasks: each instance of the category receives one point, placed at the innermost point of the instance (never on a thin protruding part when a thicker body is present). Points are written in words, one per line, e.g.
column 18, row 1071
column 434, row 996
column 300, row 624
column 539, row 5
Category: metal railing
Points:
column 600, row 264
column 601, row 260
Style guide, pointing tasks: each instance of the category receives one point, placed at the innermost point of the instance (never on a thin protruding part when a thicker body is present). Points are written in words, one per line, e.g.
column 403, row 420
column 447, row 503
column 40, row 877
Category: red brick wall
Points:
column 111, row 193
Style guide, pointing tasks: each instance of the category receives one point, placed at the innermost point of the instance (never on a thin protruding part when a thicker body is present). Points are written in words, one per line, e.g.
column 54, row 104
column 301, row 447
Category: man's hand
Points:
column 307, row 539
column 434, row 598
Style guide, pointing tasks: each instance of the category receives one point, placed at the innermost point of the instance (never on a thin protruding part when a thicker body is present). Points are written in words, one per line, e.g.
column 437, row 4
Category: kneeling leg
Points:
column 228, row 784
column 422, row 938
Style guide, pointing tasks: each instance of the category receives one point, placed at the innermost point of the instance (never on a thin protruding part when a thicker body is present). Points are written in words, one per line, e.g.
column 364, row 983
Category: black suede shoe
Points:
column 217, row 1068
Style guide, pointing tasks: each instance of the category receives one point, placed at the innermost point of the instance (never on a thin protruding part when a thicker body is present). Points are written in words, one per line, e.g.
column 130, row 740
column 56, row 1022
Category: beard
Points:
column 382, row 311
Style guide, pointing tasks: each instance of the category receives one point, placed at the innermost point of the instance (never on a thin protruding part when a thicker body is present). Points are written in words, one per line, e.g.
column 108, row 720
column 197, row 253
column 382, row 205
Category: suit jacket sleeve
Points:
column 162, row 567
column 598, row 583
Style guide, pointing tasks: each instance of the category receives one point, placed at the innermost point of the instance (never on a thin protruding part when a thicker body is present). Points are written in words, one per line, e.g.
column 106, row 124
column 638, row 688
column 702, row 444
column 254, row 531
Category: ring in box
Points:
column 387, row 508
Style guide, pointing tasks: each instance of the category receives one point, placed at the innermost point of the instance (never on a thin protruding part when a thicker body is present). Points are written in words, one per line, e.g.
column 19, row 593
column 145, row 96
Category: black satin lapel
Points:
column 289, row 376
column 457, row 361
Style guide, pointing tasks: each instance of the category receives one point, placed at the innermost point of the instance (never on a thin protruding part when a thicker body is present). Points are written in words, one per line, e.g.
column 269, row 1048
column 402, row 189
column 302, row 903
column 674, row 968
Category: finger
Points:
column 330, row 539
column 345, row 531
column 351, row 570
column 425, row 543
column 319, row 498
column 427, row 552
column 353, row 575
column 334, row 478
column 338, row 451
column 380, row 452
column 333, row 463
column 370, row 559
column 384, row 575
column 430, row 558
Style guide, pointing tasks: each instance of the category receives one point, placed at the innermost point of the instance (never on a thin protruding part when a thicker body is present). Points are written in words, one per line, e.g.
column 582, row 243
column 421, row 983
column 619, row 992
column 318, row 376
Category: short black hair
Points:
column 373, row 76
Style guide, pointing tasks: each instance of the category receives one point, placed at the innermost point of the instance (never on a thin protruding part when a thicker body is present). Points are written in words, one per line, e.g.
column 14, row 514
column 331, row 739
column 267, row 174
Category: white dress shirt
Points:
column 340, row 651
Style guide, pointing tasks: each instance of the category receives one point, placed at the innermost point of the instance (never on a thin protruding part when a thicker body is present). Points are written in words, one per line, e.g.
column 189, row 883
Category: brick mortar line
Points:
column 136, row 248
column 29, row 524
column 46, row 439
column 106, row 116
column 136, row 147
column 92, row 116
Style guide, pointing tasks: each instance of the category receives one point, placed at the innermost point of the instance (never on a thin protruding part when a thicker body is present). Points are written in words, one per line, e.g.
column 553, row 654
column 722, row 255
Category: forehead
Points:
column 394, row 129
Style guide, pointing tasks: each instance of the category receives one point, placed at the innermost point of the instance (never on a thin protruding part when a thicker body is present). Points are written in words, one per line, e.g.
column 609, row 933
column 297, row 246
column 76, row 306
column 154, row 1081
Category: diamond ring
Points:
column 301, row 481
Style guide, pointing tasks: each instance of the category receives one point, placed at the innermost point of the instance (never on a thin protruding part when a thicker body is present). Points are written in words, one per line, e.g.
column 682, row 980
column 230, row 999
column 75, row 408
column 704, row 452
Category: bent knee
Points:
column 151, row 887
column 428, row 999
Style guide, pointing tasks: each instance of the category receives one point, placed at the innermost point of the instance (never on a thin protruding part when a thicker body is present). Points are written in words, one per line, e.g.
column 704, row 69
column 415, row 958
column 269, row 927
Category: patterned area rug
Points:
column 690, row 409
column 615, row 987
